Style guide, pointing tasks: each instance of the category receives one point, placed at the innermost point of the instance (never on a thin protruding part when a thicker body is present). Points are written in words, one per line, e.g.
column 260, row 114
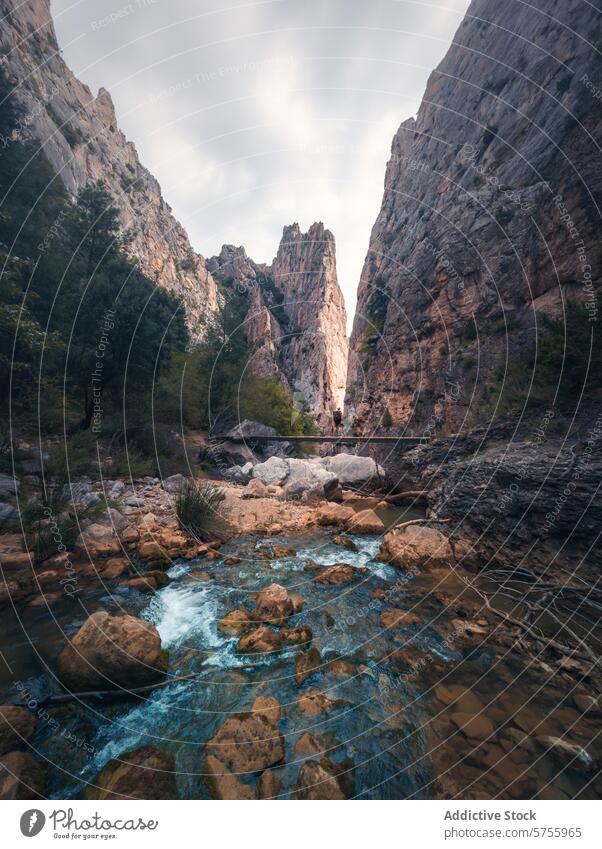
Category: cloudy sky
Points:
column 253, row 115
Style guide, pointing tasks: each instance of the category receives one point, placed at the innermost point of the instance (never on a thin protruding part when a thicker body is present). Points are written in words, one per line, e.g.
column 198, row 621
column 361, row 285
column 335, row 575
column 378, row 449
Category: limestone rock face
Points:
column 295, row 322
column 81, row 137
column 488, row 196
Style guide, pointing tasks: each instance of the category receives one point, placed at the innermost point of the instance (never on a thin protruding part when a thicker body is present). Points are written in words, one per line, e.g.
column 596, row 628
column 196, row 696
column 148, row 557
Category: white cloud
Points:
column 255, row 115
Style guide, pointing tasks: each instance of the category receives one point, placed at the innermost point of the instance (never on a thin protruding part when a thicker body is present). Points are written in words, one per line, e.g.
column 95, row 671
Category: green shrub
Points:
column 198, row 510
column 387, row 419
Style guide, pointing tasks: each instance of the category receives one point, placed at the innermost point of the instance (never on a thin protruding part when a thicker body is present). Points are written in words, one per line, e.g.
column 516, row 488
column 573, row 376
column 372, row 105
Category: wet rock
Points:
column 256, row 489
column 235, row 623
column 9, row 486
column 269, row 707
column 299, row 636
column 306, row 664
column 587, row 703
column 342, row 668
column 21, row 776
column 398, row 618
column 366, row 522
column 269, row 785
column 247, row 743
column 8, row 515
column 318, row 780
column 297, row 602
column 379, row 594
column 340, row 573
column 315, row 702
column 98, row 540
column 223, row 784
column 146, row 773
column 474, row 727
column 345, row 542
column 114, row 567
column 416, row 547
column 334, row 514
column 570, row 755
column 232, row 560
column 315, row 744
column 17, row 725
column 262, row 640
column 200, row 576
column 112, row 651
column 273, row 605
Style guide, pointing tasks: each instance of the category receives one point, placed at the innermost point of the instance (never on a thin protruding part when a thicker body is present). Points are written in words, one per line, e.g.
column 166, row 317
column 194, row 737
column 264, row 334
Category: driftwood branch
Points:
column 65, row 698
column 421, row 522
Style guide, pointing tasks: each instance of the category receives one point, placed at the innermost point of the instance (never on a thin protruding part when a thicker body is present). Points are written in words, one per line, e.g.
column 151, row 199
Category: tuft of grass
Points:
column 198, row 510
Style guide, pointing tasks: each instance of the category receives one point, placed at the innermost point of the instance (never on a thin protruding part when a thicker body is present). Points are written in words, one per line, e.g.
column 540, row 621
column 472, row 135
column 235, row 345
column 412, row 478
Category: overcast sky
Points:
column 253, row 115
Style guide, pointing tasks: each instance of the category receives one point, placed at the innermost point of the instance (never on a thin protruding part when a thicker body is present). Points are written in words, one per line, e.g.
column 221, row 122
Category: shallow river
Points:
column 390, row 722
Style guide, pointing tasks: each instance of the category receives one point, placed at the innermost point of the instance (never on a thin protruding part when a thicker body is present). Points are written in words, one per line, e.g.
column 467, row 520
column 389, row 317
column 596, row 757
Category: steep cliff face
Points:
column 489, row 217
column 80, row 137
column 295, row 316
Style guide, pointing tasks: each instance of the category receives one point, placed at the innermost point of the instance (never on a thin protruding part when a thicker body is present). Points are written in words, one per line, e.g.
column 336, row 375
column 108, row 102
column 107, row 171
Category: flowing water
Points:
column 389, row 722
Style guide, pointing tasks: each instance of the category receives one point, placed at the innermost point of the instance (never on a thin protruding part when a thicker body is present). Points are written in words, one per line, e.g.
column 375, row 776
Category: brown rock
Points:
column 366, row 522
column 247, row 743
column 262, row 640
column 223, row 784
column 146, row 773
column 153, row 552
column 112, row 651
column 21, row 776
column 17, row 725
column 299, row 636
column 315, row 702
column 307, row 664
column 398, row 618
column 273, row 605
column 269, row 785
column 416, row 547
column 114, row 567
column 342, row 668
column 340, row 573
column 474, row 727
column 269, row 707
column 345, row 542
column 235, row 623
column 334, row 514
column 315, row 744
column 318, row 780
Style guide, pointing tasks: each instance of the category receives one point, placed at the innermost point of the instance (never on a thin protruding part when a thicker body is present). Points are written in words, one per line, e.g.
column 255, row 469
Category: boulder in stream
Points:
column 17, row 725
column 416, row 547
column 146, row 773
column 112, row 652
column 21, row 776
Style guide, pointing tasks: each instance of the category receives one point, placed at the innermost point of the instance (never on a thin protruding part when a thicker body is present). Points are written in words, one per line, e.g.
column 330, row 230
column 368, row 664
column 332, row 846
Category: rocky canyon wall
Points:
column 295, row 319
column 80, row 136
column 490, row 217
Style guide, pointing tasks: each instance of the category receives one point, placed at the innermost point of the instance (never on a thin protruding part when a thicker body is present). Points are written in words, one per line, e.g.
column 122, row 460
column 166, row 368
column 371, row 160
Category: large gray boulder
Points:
column 273, row 471
column 9, row 486
column 305, row 477
column 350, row 469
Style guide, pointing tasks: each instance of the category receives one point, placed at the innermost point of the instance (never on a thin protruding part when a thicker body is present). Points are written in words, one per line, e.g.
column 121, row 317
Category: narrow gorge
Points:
column 243, row 557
